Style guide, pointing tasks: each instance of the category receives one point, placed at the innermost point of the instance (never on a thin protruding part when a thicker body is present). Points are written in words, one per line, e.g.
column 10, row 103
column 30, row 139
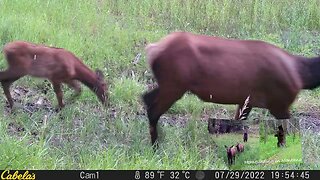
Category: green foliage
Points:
column 290, row 154
column 126, row 93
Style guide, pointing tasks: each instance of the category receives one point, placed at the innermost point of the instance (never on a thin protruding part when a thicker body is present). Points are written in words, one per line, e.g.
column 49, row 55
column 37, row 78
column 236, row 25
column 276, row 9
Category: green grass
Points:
column 311, row 154
column 109, row 34
column 251, row 152
column 292, row 153
column 121, row 147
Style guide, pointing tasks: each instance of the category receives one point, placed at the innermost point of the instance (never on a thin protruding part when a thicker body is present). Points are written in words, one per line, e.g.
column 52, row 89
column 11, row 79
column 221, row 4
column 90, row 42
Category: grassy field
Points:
column 291, row 154
column 251, row 152
column 109, row 34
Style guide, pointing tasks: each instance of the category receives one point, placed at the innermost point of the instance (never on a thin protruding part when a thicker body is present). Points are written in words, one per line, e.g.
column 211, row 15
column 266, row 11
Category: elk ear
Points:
column 99, row 74
column 226, row 146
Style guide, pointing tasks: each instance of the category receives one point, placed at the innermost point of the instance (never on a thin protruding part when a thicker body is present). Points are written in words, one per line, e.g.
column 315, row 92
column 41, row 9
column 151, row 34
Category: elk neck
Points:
column 87, row 77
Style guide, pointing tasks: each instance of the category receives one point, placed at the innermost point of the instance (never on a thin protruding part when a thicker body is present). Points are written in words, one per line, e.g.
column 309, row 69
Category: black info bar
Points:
column 158, row 174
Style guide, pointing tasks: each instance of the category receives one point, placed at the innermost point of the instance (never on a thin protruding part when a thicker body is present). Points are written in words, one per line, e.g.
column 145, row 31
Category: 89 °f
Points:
column 179, row 175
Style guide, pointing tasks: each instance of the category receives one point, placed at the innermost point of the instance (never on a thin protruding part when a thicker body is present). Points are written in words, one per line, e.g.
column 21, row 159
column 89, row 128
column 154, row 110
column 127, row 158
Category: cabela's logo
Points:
column 16, row 175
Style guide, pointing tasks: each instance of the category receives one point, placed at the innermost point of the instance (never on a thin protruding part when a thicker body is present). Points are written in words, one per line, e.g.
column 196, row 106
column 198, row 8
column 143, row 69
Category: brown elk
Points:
column 240, row 147
column 231, row 154
column 56, row 64
column 225, row 71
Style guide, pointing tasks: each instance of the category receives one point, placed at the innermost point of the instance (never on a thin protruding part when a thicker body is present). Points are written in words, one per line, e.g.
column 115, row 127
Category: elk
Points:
column 225, row 71
column 231, row 154
column 55, row 64
column 240, row 147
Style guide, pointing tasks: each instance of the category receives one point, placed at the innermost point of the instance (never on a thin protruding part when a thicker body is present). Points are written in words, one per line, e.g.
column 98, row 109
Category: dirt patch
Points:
column 36, row 100
column 14, row 128
column 29, row 101
column 174, row 120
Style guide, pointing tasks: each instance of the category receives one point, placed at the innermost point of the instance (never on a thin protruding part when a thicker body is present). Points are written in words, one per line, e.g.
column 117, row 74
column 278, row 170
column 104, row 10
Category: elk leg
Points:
column 148, row 98
column 59, row 94
column 74, row 84
column 158, row 101
column 6, row 89
column 7, row 77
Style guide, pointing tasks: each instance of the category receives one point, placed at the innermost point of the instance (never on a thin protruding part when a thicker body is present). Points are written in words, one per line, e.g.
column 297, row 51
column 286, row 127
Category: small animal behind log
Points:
column 231, row 154
column 240, row 147
column 281, row 136
column 56, row 64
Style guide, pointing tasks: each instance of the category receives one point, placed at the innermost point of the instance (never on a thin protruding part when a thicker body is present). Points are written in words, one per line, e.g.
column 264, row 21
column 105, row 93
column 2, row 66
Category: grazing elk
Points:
column 225, row 71
column 240, row 147
column 281, row 137
column 231, row 154
column 56, row 64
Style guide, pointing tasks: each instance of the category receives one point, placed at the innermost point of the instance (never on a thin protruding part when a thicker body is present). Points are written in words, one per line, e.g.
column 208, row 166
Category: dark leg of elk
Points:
column 149, row 100
column 6, row 89
column 59, row 94
column 158, row 101
column 7, row 77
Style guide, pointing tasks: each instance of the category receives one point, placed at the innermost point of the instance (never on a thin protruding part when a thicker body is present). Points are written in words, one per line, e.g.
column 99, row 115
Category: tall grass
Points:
column 224, row 17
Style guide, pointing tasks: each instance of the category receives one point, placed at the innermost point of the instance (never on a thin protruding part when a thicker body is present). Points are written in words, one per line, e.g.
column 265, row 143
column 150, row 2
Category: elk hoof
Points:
column 59, row 108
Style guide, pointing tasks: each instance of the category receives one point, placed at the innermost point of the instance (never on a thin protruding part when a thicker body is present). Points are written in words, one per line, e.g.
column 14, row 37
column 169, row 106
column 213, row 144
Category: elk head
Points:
column 101, row 87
